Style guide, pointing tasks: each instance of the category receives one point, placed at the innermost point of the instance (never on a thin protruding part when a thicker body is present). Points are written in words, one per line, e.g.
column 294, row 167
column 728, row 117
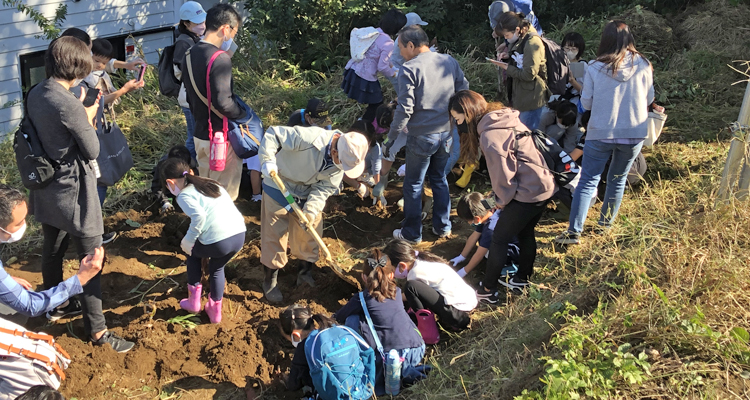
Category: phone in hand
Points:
column 141, row 73
column 90, row 99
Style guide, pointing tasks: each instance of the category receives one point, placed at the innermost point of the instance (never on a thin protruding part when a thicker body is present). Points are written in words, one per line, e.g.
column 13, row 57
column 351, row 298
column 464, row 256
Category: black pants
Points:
column 53, row 251
column 370, row 112
column 421, row 296
column 517, row 220
column 219, row 253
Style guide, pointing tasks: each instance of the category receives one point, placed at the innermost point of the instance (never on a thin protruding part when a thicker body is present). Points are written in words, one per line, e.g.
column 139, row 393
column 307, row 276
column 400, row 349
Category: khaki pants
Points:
column 230, row 178
column 277, row 225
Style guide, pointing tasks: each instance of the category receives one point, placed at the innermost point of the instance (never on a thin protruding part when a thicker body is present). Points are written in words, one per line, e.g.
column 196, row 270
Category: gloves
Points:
column 387, row 148
column 457, row 260
column 187, row 246
column 166, row 208
column 310, row 218
column 362, row 190
column 401, row 170
column 383, row 201
column 267, row 167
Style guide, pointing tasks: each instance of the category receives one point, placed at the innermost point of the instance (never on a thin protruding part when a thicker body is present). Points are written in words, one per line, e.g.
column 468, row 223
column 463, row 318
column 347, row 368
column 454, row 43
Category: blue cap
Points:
column 192, row 11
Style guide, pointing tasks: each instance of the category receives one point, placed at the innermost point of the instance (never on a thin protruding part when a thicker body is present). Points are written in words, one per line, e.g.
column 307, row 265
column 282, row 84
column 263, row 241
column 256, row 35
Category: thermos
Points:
column 393, row 373
column 218, row 158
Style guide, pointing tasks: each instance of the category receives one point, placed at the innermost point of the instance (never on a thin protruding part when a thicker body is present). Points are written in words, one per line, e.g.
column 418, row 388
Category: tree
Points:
column 50, row 26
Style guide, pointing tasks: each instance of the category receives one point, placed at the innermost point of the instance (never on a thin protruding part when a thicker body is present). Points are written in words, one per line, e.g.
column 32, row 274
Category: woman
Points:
column 68, row 208
column 525, row 64
column 520, row 179
column 617, row 89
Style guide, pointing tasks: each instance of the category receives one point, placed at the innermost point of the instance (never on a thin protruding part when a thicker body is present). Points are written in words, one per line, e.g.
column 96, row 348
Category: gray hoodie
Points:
column 619, row 103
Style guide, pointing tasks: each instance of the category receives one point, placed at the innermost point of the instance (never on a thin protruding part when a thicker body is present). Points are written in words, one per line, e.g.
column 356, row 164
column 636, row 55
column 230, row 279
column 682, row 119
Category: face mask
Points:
column 227, row 44
column 174, row 190
column 571, row 55
column 16, row 236
column 295, row 343
column 199, row 29
column 513, row 39
column 462, row 127
column 562, row 126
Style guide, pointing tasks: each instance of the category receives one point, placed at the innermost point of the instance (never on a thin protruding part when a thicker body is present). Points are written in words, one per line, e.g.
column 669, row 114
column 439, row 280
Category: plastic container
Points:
column 393, row 373
column 427, row 326
column 218, row 157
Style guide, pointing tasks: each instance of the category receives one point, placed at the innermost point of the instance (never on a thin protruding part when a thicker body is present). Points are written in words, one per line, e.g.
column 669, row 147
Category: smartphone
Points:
column 90, row 98
column 141, row 72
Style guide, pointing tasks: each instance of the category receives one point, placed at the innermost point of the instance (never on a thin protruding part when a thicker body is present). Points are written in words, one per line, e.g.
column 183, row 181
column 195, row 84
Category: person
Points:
column 372, row 56
column 68, row 208
column 392, row 324
column 397, row 60
column 315, row 114
column 562, row 124
column 222, row 24
column 618, row 89
column 113, row 64
column 525, row 66
column 373, row 162
column 432, row 284
column 481, row 214
column 498, row 7
column 574, row 46
column 296, row 323
column 426, row 82
column 216, row 232
column 520, row 179
column 191, row 28
column 16, row 292
column 164, row 197
column 382, row 125
column 41, row 392
column 311, row 162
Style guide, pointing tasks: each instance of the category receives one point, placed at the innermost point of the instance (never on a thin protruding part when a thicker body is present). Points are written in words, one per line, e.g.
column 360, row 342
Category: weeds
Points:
column 189, row 321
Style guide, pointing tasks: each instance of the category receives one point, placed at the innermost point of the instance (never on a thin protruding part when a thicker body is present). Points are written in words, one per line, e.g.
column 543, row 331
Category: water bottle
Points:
column 393, row 373
column 218, row 157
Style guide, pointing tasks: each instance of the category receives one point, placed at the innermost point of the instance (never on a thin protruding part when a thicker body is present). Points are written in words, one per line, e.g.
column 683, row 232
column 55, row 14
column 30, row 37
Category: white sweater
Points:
column 445, row 281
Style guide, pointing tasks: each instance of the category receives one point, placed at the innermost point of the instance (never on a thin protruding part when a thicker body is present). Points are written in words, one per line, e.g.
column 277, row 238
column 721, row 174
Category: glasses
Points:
column 568, row 48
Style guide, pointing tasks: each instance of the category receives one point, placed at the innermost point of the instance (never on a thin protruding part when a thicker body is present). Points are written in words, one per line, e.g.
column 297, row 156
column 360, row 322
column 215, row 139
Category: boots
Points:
column 213, row 309
column 466, row 177
column 305, row 274
column 193, row 303
column 270, row 288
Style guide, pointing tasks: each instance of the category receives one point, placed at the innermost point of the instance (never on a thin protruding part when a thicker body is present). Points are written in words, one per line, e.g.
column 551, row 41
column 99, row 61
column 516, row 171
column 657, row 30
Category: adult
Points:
column 68, row 207
column 525, row 66
column 426, row 82
column 521, row 181
column 397, row 60
column 311, row 162
column 222, row 24
column 191, row 27
column 618, row 88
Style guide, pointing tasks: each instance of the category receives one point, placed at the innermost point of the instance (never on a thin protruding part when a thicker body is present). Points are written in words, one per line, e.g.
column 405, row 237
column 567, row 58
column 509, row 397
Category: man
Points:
column 315, row 114
column 222, row 24
column 426, row 82
column 311, row 162
column 396, row 59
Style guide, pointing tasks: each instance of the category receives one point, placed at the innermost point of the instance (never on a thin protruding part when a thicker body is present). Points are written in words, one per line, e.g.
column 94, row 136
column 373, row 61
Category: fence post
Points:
column 737, row 153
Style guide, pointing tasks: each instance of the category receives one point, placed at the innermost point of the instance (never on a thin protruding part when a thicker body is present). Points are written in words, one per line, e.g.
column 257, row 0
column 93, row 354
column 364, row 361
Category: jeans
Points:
column 517, row 220
column 426, row 155
column 190, row 121
column 102, row 191
column 219, row 254
column 455, row 152
column 532, row 118
column 53, row 250
column 421, row 296
column 595, row 157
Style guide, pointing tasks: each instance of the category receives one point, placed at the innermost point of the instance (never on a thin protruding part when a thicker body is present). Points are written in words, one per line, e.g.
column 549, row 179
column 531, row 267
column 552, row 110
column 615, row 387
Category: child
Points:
column 371, row 54
column 157, row 190
column 256, row 180
column 392, row 324
column 315, row 114
column 561, row 124
column 373, row 162
column 479, row 212
column 217, row 232
column 432, row 284
column 574, row 45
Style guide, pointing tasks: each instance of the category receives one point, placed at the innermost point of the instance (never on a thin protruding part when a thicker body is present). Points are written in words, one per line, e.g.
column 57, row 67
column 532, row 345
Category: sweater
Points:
column 211, row 220
column 31, row 303
column 445, row 281
column 425, row 85
column 70, row 202
column 377, row 59
column 619, row 103
column 529, row 84
column 520, row 175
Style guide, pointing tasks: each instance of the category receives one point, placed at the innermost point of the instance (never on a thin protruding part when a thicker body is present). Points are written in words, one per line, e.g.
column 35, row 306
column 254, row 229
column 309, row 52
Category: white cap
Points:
column 192, row 11
column 352, row 149
column 414, row 19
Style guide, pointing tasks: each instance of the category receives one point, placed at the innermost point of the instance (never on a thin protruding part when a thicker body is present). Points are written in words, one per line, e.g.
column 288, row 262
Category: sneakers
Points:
column 118, row 344
column 397, row 235
column 486, row 296
column 73, row 308
column 256, row 198
column 508, row 272
column 108, row 237
column 515, row 284
column 568, row 237
column 442, row 235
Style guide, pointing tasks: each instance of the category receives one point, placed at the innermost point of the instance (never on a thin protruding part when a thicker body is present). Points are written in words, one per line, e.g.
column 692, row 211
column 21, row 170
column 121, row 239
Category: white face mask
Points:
column 16, row 236
column 174, row 190
column 295, row 343
column 227, row 44
column 571, row 55
column 513, row 39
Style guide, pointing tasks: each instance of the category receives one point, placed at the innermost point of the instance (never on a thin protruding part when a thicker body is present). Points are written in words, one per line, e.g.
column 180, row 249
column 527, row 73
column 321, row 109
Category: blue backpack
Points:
column 342, row 364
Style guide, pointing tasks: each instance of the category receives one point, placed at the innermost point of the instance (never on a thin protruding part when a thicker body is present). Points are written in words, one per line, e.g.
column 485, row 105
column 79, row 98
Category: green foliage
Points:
column 189, row 321
column 50, row 26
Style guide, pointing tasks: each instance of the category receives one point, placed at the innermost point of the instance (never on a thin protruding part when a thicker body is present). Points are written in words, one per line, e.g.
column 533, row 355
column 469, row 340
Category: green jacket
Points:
column 529, row 83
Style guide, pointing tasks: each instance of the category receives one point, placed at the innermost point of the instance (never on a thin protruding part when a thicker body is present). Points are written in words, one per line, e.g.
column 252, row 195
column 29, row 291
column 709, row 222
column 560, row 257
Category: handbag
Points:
column 115, row 158
column 656, row 122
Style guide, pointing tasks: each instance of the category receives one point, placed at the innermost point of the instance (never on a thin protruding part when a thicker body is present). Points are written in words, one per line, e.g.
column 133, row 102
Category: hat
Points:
column 192, row 11
column 352, row 149
column 414, row 19
column 317, row 109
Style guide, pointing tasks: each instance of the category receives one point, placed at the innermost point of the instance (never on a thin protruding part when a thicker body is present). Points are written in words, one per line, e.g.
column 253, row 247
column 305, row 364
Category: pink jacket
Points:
column 377, row 59
column 520, row 175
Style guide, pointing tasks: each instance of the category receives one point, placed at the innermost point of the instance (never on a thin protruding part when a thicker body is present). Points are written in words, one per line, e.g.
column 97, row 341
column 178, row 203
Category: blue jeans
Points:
column 455, row 152
column 426, row 155
column 595, row 157
column 532, row 118
column 190, row 121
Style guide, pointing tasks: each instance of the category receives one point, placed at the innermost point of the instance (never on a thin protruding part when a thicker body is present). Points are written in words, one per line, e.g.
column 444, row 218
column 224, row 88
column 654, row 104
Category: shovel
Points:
column 311, row 230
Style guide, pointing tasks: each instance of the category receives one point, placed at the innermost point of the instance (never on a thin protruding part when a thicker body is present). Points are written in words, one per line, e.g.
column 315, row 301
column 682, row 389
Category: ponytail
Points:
column 175, row 168
column 400, row 251
column 509, row 21
column 300, row 317
column 379, row 283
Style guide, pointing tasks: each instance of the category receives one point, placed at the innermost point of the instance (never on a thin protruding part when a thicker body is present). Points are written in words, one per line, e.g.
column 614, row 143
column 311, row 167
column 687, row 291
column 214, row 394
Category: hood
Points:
column 630, row 65
column 505, row 118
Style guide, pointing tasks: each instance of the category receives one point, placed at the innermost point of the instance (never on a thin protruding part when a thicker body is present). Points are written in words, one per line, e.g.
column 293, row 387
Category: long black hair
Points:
column 176, row 168
column 300, row 317
column 400, row 251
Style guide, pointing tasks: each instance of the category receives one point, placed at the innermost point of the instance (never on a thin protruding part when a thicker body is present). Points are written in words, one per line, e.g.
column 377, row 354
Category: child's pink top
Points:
column 377, row 59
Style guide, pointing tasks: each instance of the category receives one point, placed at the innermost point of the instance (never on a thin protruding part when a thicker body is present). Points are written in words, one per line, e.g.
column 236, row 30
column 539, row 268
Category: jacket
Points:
column 520, row 175
column 182, row 44
column 376, row 57
column 619, row 103
column 300, row 155
column 211, row 219
column 529, row 84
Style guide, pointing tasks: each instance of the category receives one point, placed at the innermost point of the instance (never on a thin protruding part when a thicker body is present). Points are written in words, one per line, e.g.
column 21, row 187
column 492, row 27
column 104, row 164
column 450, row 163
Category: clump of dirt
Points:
column 728, row 24
column 653, row 35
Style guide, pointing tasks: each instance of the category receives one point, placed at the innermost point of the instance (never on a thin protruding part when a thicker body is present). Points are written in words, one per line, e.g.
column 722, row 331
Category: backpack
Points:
column 342, row 364
column 565, row 171
column 557, row 65
column 169, row 85
column 36, row 168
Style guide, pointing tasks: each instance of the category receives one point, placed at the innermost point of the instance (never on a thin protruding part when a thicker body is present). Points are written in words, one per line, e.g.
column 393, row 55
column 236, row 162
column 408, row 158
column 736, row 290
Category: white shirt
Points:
column 445, row 281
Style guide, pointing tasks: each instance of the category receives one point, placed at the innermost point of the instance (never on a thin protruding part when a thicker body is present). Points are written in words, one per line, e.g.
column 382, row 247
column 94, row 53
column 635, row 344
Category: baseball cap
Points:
column 192, row 11
column 414, row 19
column 352, row 149
column 317, row 109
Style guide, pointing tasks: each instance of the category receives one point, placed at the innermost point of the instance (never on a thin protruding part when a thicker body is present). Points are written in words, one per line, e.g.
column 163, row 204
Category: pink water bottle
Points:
column 428, row 326
column 218, row 157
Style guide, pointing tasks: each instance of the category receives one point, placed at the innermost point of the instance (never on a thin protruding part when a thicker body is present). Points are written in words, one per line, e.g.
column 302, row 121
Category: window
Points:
column 32, row 70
